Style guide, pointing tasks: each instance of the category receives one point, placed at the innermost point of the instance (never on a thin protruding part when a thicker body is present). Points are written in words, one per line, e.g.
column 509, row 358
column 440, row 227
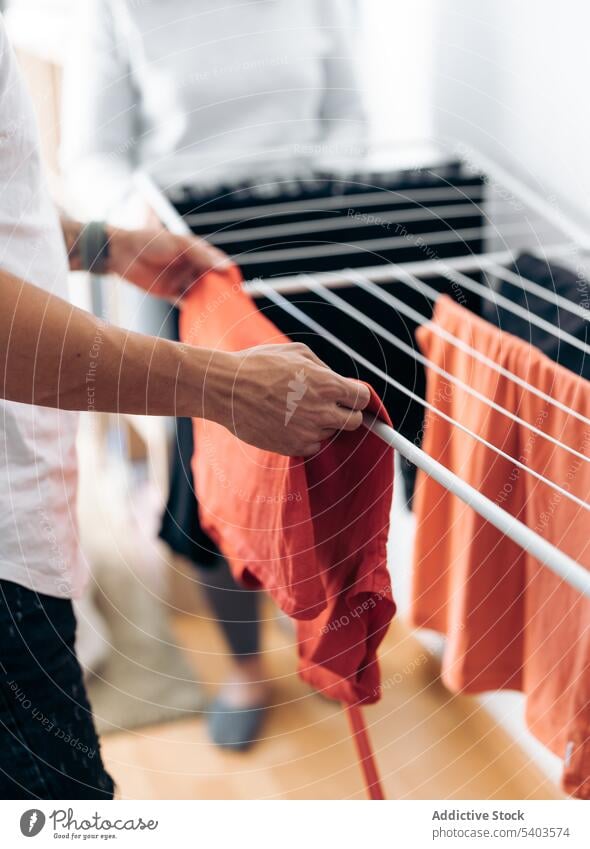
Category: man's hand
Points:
column 283, row 398
column 161, row 263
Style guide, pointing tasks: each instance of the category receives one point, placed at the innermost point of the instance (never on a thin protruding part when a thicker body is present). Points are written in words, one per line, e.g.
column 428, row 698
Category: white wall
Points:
column 511, row 78
column 396, row 63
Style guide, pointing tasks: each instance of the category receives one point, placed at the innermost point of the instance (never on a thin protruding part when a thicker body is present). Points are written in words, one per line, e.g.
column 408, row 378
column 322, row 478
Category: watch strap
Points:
column 94, row 248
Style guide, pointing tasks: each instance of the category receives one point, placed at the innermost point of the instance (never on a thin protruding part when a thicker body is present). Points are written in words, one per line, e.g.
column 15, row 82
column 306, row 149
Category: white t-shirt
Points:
column 201, row 92
column 39, row 545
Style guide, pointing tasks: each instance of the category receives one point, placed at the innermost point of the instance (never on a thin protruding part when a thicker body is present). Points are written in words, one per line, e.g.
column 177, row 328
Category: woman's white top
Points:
column 208, row 91
column 38, row 529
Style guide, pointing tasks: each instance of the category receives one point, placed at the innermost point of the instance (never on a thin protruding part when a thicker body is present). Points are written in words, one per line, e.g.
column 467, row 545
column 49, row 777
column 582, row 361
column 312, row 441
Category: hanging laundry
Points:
column 312, row 532
column 558, row 617
column 510, row 623
column 560, row 281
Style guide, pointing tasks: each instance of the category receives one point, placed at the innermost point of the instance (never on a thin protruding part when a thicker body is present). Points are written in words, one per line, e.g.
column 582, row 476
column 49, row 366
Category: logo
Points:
column 298, row 388
column 32, row 822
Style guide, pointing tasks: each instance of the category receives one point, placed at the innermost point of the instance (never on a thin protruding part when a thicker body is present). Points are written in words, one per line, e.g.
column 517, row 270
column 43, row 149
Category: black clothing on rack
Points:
column 561, row 281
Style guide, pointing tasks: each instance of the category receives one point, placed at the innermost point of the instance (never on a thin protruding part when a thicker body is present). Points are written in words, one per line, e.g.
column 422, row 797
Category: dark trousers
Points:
column 49, row 748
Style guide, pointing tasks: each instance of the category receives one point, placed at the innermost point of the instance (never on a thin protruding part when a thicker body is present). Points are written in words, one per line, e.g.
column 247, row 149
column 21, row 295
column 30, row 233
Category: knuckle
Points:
column 328, row 418
column 331, row 389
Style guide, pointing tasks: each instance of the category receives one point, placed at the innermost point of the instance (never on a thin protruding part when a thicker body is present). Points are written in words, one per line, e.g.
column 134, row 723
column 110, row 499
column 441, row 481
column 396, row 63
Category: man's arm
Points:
column 55, row 355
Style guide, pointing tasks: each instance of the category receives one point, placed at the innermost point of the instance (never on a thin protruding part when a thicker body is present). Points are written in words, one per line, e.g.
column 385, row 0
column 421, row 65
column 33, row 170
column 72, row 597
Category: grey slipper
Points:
column 235, row 728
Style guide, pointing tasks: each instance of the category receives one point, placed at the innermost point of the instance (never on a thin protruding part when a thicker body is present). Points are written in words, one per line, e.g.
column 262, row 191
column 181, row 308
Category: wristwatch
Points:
column 94, row 248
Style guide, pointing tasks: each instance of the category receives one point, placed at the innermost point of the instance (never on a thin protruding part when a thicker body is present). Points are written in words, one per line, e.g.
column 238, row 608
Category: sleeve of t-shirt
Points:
column 99, row 113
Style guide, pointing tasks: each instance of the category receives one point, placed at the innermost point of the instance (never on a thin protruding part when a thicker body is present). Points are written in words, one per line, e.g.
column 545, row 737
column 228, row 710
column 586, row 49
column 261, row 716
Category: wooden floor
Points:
column 429, row 744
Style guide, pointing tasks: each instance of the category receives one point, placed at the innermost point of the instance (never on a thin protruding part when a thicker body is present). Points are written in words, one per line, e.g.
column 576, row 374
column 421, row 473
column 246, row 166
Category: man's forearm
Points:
column 56, row 355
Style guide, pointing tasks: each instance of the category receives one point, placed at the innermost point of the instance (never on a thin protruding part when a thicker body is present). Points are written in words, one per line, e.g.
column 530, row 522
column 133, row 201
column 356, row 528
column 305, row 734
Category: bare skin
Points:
column 55, row 355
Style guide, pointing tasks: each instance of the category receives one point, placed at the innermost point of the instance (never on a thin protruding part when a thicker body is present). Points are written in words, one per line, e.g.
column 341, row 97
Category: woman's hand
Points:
column 161, row 263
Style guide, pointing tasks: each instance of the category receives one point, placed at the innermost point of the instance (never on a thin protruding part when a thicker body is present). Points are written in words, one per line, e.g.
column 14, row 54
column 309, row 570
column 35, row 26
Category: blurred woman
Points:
column 199, row 94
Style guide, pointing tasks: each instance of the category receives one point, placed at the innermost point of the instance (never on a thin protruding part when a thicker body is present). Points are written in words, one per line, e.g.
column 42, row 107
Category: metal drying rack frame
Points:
column 569, row 241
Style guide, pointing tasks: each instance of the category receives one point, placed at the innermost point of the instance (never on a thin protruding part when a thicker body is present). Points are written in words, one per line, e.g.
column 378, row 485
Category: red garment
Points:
column 510, row 622
column 311, row 532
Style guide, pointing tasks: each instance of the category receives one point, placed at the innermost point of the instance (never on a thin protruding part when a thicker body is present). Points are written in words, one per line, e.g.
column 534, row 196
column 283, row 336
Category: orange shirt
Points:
column 311, row 532
column 510, row 622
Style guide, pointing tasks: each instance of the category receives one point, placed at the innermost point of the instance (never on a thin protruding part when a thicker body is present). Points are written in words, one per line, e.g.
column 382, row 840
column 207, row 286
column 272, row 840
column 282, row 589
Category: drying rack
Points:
column 521, row 220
